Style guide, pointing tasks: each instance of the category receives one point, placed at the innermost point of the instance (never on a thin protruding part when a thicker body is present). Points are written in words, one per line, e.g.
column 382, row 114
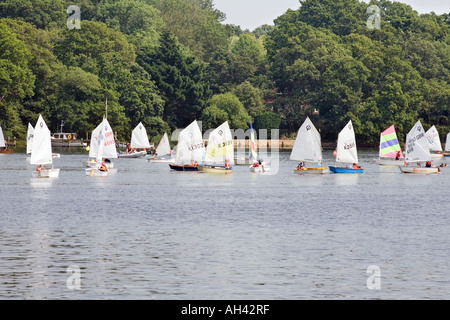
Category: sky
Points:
column 250, row 14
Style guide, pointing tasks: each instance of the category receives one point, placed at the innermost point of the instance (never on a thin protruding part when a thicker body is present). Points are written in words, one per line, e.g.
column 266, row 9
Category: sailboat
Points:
column 190, row 148
column 220, row 150
column 390, row 150
column 3, row 143
column 139, row 140
column 417, row 150
column 434, row 142
column 102, row 147
column 163, row 150
column 346, row 151
column 30, row 136
column 447, row 146
column 257, row 166
column 41, row 153
column 308, row 148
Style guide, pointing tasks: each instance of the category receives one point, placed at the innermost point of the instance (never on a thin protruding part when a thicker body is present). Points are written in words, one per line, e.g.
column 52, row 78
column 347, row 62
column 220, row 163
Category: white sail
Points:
column 30, row 136
column 109, row 146
column 434, row 142
column 220, row 145
column 2, row 138
column 417, row 144
column 447, row 142
column 163, row 146
column 42, row 144
column 93, row 147
column 139, row 138
column 346, row 147
column 307, row 146
column 190, row 144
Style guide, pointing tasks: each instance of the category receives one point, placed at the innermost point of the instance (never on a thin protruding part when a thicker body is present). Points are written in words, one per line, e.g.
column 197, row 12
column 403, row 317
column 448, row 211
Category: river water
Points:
column 145, row 232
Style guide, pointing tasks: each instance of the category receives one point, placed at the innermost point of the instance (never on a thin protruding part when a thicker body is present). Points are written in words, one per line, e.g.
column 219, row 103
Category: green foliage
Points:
column 267, row 120
column 226, row 107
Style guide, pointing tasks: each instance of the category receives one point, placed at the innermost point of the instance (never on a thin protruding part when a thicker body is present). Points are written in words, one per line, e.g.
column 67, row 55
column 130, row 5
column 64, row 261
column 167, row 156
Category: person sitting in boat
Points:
column 40, row 169
column 227, row 164
column 355, row 166
column 428, row 164
column 129, row 149
column 300, row 166
column 443, row 165
column 256, row 164
column 397, row 157
column 103, row 167
column 105, row 160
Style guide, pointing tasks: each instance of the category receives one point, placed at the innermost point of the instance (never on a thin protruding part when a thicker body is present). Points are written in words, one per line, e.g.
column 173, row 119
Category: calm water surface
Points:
column 145, row 232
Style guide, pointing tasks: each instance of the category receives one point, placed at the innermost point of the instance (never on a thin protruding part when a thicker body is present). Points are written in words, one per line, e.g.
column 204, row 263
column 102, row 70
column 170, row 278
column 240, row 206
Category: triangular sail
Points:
column 2, row 138
column 42, row 144
column 346, row 147
column 220, row 145
column 190, row 144
column 253, row 147
column 163, row 146
column 434, row 142
column 93, row 147
column 389, row 144
column 417, row 144
column 30, row 136
column 109, row 146
column 139, row 138
column 307, row 146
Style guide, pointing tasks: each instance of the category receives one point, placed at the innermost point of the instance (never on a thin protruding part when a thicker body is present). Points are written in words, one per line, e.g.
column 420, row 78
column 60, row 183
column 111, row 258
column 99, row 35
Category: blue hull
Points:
column 345, row 170
column 446, row 155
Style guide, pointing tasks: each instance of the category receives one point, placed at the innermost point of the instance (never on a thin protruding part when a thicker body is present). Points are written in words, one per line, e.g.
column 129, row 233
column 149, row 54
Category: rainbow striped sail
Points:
column 389, row 145
column 253, row 155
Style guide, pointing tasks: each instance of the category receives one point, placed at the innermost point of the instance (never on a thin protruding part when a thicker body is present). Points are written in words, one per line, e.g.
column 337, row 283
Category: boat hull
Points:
column 95, row 164
column 68, row 144
column 447, row 154
column 94, row 172
column 7, row 151
column 312, row 170
column 161, row 160
column 437, row 155
column 390, row 162
column 138, row 154
column 183, row 167
column 345, row 170
column 214, row 169
column 47, row 173
column 420, row 170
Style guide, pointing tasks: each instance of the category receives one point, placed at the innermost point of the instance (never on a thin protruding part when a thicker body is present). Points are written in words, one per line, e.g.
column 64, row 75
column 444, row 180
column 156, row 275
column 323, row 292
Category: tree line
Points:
column 167, row 62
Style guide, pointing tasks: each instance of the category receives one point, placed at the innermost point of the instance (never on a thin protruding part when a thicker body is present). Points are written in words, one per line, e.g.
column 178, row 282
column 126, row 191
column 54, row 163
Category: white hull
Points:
column 94, row 172
column 161, row 160
column 437, row 155
column 94, row 164
column 420, row 170
column 390, row 162
column 46, row 173
column 133, row 155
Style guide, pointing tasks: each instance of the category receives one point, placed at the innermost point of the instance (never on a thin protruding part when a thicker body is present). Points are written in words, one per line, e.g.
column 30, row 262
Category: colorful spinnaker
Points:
column 389, row 145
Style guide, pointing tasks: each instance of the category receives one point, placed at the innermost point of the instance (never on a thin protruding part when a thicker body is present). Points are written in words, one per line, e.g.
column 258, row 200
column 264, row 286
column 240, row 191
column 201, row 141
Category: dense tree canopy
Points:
column 167, row 62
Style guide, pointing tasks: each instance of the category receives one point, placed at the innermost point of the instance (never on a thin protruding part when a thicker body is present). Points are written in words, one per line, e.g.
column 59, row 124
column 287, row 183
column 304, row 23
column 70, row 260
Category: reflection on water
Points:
column 148, row 233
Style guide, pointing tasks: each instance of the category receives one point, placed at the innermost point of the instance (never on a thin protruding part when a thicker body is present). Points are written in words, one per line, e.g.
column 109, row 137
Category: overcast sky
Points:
column 250, row 14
